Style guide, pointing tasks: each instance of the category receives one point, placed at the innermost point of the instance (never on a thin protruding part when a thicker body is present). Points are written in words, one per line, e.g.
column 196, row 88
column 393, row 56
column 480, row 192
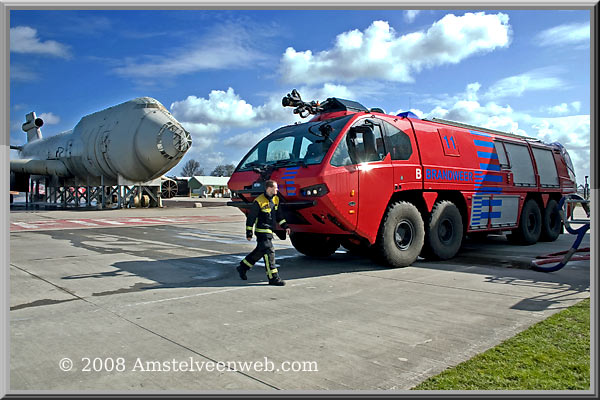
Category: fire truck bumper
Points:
column 287, row 206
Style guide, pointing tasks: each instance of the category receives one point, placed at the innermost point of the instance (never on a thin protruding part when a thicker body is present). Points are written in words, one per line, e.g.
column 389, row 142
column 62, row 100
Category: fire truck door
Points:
column 400, row 143
column 343, row 183
column 375, row 173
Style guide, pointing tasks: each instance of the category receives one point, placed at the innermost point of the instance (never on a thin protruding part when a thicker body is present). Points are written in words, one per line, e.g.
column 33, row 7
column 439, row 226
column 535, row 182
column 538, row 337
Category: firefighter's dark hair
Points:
column 270, row 183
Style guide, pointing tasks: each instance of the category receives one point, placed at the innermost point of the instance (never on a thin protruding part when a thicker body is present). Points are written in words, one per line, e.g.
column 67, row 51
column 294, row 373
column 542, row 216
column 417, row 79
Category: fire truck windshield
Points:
column 301, row 144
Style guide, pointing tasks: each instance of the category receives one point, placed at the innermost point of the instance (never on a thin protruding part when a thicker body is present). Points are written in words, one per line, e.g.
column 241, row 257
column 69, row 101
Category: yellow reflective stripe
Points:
column 274, row 270
column 249, row 228
column 269, row 273
column 267, row 210
column 247, row 263
column 283, row 221
column 262, row 201
column 263, row 230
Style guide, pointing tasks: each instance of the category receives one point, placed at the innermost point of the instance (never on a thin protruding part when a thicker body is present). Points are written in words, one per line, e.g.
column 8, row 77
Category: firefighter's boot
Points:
column 242, row 269
column 276, row 280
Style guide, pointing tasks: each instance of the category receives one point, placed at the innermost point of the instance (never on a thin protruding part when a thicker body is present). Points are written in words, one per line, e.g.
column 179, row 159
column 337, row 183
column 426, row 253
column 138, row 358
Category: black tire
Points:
column 401, row 235
column 313, row 244
column 443, row 232
column 551, row 222
column 530, row 225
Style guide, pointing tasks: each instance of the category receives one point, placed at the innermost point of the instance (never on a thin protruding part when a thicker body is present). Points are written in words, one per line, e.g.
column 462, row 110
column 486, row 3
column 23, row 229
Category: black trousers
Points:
column 264, row 249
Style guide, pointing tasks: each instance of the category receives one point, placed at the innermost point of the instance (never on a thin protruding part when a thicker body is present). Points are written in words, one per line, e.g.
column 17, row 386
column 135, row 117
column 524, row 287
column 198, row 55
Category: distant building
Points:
column 209, row 186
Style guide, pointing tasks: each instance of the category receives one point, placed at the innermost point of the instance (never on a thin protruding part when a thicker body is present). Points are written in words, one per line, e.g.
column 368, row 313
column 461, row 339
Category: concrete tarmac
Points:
column 149, row 300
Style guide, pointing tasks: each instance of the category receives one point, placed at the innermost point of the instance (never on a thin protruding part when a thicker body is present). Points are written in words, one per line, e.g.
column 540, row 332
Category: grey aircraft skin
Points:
column 136, row 141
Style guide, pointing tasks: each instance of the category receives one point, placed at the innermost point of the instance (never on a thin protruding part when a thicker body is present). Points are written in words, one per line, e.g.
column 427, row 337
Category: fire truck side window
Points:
column 365, row 143
column 501, row 154
column 397, row 142
column 341, row 156
column 362, row 143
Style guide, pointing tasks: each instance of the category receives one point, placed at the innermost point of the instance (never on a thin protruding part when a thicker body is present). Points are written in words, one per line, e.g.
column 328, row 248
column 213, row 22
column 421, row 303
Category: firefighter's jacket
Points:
column 264, row 214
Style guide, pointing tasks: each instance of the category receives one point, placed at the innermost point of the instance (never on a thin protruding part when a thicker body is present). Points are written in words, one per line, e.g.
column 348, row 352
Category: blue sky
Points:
column 223, row 73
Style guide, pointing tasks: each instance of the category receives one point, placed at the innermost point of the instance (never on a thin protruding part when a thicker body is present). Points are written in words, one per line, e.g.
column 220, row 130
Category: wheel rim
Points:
column 445, row 231
column 404, row 234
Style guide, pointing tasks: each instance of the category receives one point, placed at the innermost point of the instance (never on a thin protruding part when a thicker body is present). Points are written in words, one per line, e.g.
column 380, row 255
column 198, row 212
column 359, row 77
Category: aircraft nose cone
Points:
column 173, row 140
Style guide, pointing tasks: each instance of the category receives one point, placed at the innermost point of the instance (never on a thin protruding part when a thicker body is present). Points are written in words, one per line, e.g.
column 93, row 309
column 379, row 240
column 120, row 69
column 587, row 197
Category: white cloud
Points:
column 572, row 131
column 226, row 109
column 22, row 73
column 49, row 118
column 515, row 86
column 326, row 91
column 467, row 108
column 410, row 15
column 210, row 119
column 229, row 47
column 221, row 107
column 567, row 34
column 379, row 53
column 19, row 106
column 246, row 140
column 563, row 108
column 24, row 39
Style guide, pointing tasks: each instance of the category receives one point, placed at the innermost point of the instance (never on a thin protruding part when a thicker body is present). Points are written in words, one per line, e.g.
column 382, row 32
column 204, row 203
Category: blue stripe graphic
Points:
column 492, row 203
column 292, row 168
column 484, row 143
column 495, row 214
column 490, row 167
column 482, row 154
column 480, row 134
column 492, row 178
column 289, row 182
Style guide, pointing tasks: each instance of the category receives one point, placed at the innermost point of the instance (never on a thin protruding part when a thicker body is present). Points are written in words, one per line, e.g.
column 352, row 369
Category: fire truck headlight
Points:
column 315, row 191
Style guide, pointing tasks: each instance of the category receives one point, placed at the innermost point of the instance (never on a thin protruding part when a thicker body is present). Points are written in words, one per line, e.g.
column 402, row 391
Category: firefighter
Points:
column 263, row 215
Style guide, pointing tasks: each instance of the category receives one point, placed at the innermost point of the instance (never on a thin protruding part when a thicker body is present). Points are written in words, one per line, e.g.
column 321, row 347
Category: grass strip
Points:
column 553, row 354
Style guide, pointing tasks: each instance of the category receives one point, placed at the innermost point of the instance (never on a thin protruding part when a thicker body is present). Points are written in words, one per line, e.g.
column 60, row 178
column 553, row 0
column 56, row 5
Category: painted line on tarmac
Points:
column 186, row 297
column 86, row 223
column 201, row 294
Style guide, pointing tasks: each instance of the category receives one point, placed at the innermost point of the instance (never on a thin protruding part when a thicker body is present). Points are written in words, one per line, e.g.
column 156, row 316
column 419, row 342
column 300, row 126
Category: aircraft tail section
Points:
column 32, row 126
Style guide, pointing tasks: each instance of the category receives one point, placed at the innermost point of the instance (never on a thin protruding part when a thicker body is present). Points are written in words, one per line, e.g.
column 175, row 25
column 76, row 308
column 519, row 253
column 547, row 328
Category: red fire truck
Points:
column 397, row 186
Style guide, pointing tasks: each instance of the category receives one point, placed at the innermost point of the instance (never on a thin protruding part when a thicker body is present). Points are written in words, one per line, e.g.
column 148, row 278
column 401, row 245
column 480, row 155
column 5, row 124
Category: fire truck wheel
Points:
column 443, row 232
column 551, row 222
column 401, row 235
column 530, row 225
column 314, row 245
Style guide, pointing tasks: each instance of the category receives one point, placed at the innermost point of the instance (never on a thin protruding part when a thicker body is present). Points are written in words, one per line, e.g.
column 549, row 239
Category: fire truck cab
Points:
column 397, row 186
